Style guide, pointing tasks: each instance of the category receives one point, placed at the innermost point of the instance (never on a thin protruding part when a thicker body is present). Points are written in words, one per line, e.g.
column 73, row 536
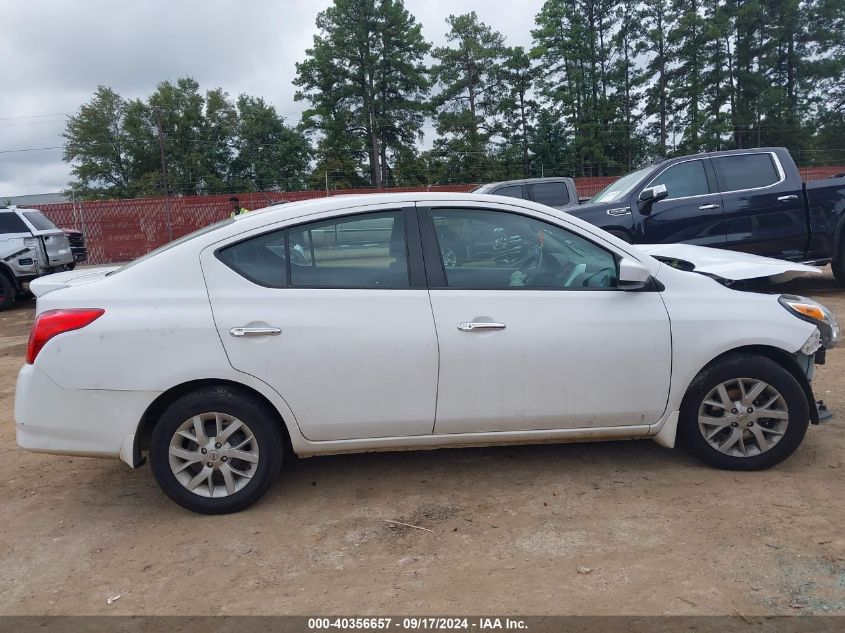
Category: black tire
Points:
column 7, row 292
column 691, row 437
column 256, row 415
column 838, row 267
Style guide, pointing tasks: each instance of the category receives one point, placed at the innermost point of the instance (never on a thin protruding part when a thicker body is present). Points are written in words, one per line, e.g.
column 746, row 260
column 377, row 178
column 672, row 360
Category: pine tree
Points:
column 573, row 41
column 686, row 81
column 516, row 109
column 655, row 17
column 467, row 72
column 366, row 83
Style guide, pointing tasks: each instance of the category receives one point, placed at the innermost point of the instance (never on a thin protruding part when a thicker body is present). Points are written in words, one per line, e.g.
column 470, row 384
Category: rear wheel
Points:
column 744, row 413
column 838, row 267
column 7, row 292
column 216, row 450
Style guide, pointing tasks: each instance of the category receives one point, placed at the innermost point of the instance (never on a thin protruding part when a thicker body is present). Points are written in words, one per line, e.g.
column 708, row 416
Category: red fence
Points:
column 121, row 230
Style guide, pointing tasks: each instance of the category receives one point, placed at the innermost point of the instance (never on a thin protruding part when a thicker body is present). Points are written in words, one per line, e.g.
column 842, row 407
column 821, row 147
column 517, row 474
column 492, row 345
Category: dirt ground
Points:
column 613, row 528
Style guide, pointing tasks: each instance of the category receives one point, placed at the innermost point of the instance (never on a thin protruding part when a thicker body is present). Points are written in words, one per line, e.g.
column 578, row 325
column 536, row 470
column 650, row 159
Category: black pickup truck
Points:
column 750, row 200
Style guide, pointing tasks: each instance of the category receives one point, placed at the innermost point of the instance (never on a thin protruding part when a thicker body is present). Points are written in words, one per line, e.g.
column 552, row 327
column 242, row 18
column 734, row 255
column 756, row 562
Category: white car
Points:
column 333, row 326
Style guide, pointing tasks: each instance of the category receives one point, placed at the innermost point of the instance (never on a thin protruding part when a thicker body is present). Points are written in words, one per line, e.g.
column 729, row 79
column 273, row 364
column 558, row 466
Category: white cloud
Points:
column 55, row 53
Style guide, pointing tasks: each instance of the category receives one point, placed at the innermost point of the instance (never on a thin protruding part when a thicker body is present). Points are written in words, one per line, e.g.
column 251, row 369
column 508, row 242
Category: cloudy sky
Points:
column 55, row 52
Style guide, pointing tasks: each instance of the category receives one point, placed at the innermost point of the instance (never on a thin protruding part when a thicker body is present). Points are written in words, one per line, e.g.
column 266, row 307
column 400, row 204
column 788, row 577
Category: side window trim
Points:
column 708, row 173
column 434, row 270
column 775, row 161
column 434, row 264
column 413, row 244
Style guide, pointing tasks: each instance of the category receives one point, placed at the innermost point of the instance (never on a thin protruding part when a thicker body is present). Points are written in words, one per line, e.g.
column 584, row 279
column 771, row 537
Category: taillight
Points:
column 55, row 322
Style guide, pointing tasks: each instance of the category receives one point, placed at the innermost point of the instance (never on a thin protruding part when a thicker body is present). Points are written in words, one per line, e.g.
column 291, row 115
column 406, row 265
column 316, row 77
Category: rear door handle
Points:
column 255, row 331
column 704, row 207
column 472, row 326
column 786, row 198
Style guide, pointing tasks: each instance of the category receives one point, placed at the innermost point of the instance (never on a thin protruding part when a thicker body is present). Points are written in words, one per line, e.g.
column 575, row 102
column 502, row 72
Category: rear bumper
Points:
column 89, row 422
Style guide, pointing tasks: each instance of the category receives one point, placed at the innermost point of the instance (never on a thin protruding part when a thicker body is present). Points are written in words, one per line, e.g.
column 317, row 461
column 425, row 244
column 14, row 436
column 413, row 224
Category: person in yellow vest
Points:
column 237, row 209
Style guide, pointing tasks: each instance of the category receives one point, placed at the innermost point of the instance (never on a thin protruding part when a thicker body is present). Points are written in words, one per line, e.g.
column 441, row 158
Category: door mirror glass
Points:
column 653, row 194
column 633, row 275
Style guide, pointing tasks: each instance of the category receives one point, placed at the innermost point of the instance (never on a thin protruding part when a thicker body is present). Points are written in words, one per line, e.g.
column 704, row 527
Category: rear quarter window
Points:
column 11, row 223
column 745, row 171
column 39, row 221
column 511, row 191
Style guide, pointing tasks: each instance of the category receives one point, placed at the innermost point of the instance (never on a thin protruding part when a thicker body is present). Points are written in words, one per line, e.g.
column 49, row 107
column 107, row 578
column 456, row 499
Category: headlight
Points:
column 815, row 313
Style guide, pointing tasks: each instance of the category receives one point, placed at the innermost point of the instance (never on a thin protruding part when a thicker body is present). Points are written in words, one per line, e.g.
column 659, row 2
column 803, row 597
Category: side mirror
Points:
column 632, row 275
column 650, row 195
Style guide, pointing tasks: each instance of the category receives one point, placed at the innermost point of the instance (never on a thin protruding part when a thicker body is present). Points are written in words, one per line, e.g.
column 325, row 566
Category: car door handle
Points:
column 255, row 331
column 472, row 326
column 704, row 207
column 791, row 196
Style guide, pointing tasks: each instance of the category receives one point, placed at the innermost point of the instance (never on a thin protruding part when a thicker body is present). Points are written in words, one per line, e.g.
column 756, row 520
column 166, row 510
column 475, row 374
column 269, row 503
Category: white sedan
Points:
column 412, row 320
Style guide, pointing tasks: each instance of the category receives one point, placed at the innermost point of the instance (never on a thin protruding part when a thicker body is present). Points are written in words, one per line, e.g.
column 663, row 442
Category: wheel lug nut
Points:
column 750, row 410
column 203, row 451
column 734, row 424
column 750, row 424
column 210, row 465
column 225, row 459
column 734, row 411
column 218, row 445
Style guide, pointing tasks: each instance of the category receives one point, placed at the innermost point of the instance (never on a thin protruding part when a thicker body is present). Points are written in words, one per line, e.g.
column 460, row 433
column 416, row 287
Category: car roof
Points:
column 522, row 181
column 317, row 205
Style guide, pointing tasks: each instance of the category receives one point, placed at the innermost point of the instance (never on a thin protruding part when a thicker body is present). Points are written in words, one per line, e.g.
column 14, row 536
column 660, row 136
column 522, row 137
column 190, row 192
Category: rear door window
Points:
column 553, row 194
column 11, row 223
column 745, row 171
column 359, row 251
column 260, row 259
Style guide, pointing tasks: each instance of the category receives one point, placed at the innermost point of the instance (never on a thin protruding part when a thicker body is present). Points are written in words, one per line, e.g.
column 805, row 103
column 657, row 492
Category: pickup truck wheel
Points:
column 838, row 267
column 743, row 413
column 216, row 450
column 7, row 292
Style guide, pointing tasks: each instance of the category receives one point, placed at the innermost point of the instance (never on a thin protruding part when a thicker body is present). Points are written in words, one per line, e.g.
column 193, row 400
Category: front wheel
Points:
column 216, row 450
column 744, row 412
column 7, row 292
column 838, row 267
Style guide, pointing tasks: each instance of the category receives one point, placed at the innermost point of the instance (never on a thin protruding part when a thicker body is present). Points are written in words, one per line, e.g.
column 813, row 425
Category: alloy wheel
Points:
column 213, row 454
column 743, row 417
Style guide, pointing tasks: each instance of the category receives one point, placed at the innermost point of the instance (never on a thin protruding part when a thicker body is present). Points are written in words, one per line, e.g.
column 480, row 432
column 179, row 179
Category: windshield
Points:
column 39, row 221
column 622, row 187
column 176, row 242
